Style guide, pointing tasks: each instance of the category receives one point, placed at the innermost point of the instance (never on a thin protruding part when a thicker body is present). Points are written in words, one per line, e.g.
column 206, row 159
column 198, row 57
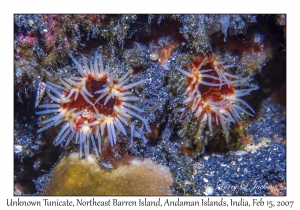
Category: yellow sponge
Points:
column 75, row 176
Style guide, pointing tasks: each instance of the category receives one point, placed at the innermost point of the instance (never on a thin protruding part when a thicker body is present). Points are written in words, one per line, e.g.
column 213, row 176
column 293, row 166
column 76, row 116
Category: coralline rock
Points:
column 75, row 176
column 271, row 123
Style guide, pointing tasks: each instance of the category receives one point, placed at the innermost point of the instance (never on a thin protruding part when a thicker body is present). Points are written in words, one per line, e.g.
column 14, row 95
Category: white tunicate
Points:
column 154, row 56
column 209, row 190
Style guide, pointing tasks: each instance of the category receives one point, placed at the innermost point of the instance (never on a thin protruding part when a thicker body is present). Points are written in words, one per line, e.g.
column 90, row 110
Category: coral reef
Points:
column 211, row 88
column 76, row 176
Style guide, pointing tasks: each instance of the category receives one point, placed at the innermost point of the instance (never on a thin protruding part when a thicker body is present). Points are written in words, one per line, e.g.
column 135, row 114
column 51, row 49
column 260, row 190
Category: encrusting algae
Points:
column 76, row 176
